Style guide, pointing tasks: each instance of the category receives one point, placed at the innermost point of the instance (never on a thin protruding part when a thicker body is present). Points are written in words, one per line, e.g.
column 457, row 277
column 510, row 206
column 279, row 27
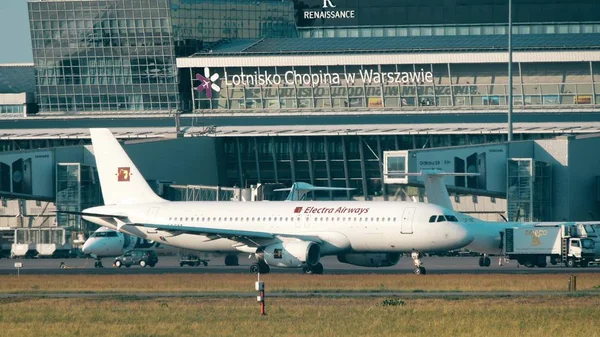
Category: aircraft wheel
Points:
column 205, row 263
column 96, row 264
column 264, row 268
column 118, row 264
column 318, row 269
column 181, row 264
column 420, row 271
column 487, row 262
column 481, row 261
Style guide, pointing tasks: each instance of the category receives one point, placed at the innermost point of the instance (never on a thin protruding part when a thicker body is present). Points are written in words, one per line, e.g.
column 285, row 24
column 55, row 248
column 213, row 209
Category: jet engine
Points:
column 291, row 254
column 370, row 260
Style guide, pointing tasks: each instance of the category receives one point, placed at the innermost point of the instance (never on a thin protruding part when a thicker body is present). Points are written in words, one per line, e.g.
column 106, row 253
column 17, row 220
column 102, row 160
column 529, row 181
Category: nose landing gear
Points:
column 98, row 264
column 419, row 269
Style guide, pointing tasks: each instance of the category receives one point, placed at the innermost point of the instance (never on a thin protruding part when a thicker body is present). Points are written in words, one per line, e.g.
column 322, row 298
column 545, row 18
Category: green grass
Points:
column 124, row 283
column 543, row 316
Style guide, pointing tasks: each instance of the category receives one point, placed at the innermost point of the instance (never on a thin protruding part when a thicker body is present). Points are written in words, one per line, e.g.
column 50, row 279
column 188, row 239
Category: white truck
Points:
column 531, row 246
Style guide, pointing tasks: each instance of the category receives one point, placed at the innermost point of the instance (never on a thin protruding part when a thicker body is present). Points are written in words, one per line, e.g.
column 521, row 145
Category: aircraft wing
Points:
column 98, row 215
column 249, row 238
column 229, row 233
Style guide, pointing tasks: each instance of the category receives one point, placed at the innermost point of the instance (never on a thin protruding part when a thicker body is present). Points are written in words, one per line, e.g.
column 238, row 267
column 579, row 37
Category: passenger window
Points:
column 432, row 219
column 441, row 218
column 394, row 219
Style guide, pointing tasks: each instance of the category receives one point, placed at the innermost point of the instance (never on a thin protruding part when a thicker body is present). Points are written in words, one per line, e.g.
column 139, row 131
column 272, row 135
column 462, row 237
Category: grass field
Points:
column 545, row 316
column 293, row 282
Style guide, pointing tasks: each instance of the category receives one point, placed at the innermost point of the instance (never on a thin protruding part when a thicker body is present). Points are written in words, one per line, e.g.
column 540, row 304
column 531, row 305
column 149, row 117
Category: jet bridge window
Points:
column 441, row 218
column 432, row 219
column 574, row 243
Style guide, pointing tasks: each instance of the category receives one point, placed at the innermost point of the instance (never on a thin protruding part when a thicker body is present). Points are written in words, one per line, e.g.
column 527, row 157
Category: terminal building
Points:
column 316, row 90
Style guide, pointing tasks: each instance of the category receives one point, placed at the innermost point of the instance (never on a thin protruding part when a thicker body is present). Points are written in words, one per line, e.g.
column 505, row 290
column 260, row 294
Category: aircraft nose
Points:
column 89, row 246
column 463, row 235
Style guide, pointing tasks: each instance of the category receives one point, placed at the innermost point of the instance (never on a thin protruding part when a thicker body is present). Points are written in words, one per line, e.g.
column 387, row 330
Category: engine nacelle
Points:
column 370, row 260
column 292, row 254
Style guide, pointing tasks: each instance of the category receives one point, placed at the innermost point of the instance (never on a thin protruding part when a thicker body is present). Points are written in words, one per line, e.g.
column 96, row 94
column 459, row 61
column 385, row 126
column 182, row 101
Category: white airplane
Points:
column 289, row 235
column 106, row 242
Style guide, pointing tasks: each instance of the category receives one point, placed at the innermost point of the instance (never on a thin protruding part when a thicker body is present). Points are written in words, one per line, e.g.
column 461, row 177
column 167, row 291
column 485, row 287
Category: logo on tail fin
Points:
column 123, row 174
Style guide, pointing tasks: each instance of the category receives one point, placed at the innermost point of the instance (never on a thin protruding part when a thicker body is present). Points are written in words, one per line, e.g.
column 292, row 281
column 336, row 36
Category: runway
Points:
column 170, row 265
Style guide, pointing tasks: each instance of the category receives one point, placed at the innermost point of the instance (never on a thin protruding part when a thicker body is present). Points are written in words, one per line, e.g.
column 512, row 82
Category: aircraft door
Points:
column 406, row 220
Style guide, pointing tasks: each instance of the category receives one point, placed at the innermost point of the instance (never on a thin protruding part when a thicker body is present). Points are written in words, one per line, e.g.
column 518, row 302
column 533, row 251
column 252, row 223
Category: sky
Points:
column 15, row 41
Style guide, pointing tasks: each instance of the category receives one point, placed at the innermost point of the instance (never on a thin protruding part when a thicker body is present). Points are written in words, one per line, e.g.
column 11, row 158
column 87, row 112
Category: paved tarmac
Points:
column 170, row 265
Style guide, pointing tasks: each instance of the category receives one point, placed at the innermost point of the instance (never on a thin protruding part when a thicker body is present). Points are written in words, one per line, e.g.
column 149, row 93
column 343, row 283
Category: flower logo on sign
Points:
column 207, row 82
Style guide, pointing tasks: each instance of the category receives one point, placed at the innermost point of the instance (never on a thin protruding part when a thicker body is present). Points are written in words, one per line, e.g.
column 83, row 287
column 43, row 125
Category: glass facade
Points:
column 198, row 22
column 340, row 161
column 119, row 55
column 77, row 188
column 452, row 86
column 11, row 108
column 529, row 190
column 103, row 55
column 449, row 30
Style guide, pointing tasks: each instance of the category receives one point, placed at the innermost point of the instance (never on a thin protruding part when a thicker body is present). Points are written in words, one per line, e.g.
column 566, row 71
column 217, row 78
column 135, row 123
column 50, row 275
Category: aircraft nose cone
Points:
column 463, row 235
column 88, row 247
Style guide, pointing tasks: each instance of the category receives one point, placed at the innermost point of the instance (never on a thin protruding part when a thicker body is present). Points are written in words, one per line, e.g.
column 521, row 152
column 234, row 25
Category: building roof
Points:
column 405, row 44
column 311, row 130
column 17, row 78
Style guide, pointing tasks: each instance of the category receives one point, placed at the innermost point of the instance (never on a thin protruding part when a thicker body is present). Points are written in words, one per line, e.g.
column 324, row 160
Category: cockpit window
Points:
column 451, row 218
column 432, row 219
column 441, row 218
column 104, row 235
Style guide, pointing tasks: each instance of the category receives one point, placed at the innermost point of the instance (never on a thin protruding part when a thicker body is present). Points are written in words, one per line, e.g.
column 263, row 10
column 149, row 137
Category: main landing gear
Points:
column 316, row 269
column 419, row 269
column 98, row 264
column 484, row 261
column 260, row 267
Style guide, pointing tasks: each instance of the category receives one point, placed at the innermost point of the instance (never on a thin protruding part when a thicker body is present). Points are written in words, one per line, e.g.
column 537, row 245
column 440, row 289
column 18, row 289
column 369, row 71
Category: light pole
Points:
column 510, row 77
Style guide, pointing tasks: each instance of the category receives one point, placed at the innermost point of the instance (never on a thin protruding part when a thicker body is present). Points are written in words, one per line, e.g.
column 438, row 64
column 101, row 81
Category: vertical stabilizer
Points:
column 435, row 189
column 120, row 180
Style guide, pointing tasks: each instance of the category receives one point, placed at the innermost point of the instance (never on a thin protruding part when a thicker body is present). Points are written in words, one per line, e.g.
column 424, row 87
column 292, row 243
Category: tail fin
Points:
column 120, row 180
